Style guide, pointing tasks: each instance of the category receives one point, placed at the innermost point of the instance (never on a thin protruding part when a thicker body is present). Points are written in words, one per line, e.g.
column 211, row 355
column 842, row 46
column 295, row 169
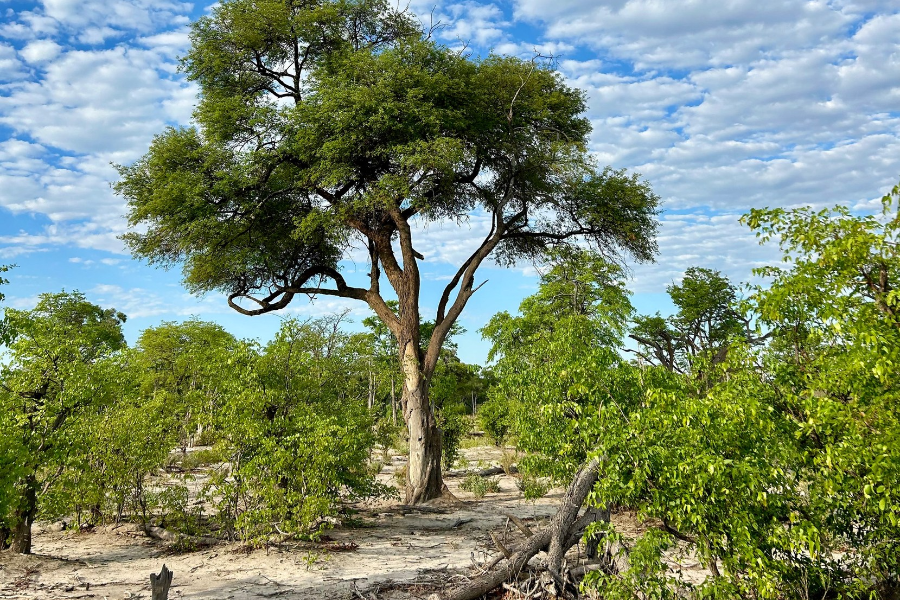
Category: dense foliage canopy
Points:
column 335, row 124
column 772, row 458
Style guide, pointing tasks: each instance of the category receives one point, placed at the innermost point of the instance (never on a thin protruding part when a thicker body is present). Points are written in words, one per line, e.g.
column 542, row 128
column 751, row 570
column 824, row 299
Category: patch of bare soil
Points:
column 394, row 552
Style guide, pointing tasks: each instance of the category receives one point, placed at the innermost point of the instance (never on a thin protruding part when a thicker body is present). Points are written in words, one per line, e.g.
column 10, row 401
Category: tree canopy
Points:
column 331, row 125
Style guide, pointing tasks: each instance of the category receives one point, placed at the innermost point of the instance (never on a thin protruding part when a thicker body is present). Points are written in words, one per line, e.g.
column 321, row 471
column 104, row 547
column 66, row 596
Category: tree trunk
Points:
column 160, row 584
column 423, row 480
column 393, row 401
column 424, row 472
column 21, row 542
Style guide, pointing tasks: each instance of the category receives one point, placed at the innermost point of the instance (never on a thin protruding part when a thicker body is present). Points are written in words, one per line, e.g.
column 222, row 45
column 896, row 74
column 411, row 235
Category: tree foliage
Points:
column 295, row 431
column 90, row 428
column 708, row 320
column 46, row 387
column 330, row 123
column 568, row 330
column 778, row 467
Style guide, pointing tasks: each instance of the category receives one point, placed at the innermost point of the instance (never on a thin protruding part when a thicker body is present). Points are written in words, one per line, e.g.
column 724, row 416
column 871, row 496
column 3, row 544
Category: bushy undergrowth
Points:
column 292, row 435
column 761, row 433
column 479, row 486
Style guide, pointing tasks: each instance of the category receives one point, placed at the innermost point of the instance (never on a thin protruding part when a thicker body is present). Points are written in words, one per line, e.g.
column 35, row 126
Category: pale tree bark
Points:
column 393, row 402
column 424, row 481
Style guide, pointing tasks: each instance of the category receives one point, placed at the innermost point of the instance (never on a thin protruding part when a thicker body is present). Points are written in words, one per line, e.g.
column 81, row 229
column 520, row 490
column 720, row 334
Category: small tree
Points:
column 708, row 320
column 294, row 431
column 45, row 386
column 4, row 336
column 332, row 123
column 181, row 366
column 566, row 334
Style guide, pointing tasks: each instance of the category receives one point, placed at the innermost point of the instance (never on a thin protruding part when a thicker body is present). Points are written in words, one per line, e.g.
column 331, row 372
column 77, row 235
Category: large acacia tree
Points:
column 325, row 125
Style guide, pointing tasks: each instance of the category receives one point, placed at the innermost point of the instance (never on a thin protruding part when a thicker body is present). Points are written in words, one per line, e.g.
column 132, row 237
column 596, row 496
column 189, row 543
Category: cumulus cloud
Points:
column 722, row 106
column 95, row 101
column 685, row 35
column 715, row 241
column 40, row 51
column 124, row 15
column 98, row 234
column 137, row 302
column 11, row 68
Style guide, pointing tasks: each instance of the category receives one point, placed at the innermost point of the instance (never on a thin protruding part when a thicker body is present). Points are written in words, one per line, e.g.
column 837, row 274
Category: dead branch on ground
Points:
column 514, row 569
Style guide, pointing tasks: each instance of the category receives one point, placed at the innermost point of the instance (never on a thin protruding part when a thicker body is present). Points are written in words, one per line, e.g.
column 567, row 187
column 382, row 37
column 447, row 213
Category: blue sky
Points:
column 722, row 105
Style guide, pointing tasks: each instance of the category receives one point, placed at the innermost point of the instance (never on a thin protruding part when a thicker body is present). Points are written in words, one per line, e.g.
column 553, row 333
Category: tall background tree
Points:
column 708, row 321
column 327, row 125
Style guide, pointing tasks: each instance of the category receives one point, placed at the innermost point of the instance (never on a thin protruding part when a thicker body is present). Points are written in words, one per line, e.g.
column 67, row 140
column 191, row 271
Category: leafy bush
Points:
column 200, row 458
column 453, row 427
column 493, row 416
column 532, row 487
column 386, row 435
column 508, row 460
column 479, row 486
column 296, row 437
column 400, row 476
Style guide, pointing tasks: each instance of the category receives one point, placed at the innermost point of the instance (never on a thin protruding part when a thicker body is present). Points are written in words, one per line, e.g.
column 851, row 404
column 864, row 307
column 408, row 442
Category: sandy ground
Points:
column 396, row 553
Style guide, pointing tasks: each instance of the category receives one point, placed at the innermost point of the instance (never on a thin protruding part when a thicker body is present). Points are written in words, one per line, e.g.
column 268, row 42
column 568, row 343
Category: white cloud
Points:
column 11, row 68
column 528, row 50
column 137, row 302
column 696, row 239
column 473, row 23
column 29, row 25
column 95, row 101
column 96, row 235
column 40, row 51
column 136, row 15
column 685, row 35
column 448, row 242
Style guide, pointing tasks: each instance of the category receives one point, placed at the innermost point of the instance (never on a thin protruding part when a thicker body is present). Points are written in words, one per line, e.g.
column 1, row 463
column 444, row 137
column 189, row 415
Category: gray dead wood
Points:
column 563, row 528
column 159, row 584
column 488, row 472
column 168, row 536
column 520, row 524
column 561, row 525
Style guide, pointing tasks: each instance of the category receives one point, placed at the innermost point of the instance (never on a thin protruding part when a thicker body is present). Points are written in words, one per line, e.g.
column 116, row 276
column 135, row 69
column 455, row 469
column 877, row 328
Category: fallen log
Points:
column 564, row 531
column 169, row 536
column 487, row 472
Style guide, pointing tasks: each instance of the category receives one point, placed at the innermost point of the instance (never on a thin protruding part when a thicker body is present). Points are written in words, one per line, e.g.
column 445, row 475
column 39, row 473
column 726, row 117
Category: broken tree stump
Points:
column 159, row 584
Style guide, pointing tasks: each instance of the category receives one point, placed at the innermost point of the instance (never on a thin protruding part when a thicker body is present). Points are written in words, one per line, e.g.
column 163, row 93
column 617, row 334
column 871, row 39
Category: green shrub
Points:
column 479, row 486
column 508, row 460
column 453, row 428
column 207, row 437
column 296, row 435
column 532, row 487
column 386, row 436
column 494, row 418
column 200, row 458
column 400, row 476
